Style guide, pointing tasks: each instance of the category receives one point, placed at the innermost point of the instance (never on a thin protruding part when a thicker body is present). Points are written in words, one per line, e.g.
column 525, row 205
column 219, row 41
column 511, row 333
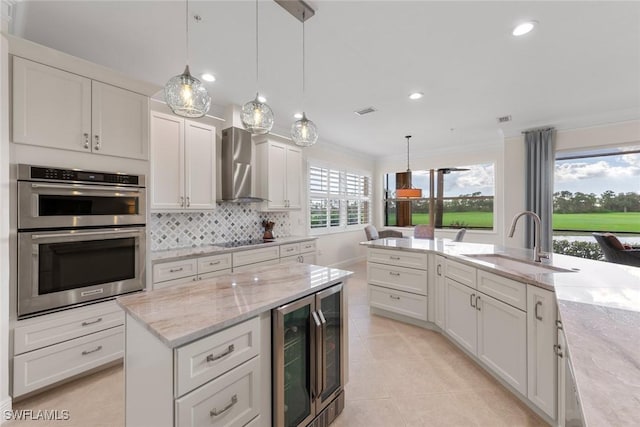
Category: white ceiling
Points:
column 579, row 67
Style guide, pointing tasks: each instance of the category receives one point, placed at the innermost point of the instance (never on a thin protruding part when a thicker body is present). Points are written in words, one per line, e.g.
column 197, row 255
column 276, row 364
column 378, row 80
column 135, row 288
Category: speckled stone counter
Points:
column 599, row 305
column 176, row 254
column 183, row 313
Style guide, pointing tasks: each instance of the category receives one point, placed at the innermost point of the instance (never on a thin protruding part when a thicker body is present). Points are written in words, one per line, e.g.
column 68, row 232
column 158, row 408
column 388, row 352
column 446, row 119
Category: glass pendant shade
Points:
column 187, row 96
column 304, row 132
column 257, row 117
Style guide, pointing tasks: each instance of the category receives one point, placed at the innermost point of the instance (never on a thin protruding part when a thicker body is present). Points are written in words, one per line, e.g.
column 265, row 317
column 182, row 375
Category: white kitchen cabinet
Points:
column 541, row 339
column 170, row 273
column 279, row 175
column 183, row 164
column 439, row 289
column 58, row 109
column 460, row 314
column 404, row 303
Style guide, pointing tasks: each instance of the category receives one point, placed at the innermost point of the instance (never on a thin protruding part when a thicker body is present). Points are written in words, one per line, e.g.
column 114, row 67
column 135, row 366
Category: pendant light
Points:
column 304, row 132
column 256, row 115
column 185, row 94
column 407, row 191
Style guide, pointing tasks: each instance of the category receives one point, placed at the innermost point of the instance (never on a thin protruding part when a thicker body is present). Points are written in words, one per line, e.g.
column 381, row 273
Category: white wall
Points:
column 490, row 152
column 609, row 135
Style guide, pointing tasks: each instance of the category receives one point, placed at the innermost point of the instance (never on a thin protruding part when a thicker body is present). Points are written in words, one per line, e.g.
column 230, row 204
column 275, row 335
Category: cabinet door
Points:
column 460, row 314
column 294, row 178
column 167, row 162
column 277, row 164
column 120, row 122
column 541, row 337
column 309, row 258
column 51, row 107
column 439, row 292
column 502, row 342
column 331, row 345
column 200, row 166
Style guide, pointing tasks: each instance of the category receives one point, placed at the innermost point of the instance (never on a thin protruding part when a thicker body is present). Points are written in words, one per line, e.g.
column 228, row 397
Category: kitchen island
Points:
column 598, row 305
column 202, row 351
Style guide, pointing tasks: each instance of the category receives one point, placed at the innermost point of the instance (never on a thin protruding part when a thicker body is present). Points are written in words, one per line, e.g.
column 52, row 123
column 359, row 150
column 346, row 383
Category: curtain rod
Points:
column 536, row 130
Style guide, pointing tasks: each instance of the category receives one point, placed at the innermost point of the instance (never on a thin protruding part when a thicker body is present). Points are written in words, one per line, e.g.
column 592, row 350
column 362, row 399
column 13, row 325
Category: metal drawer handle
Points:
column 393, row 273
column 175, row 270
column 98, row 320
column 471, row 299
column 229, row 350
column 188, row 201
column 290, row 250
column 478, row 303
column 85, row 352
column 439, row 269
column 97, row 137
column 214, row 412
column 538, row 304
column 394, row 297
column 397, row 258
column 86, row 140
column 559, row 324
column 558, row 350
column 214, row 263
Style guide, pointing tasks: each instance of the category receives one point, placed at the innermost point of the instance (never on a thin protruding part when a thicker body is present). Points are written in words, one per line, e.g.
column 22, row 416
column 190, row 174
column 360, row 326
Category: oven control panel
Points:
column 54, row 174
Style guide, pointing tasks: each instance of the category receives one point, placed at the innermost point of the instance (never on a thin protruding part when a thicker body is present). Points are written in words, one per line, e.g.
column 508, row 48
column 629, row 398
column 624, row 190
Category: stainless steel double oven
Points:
column 81, row 237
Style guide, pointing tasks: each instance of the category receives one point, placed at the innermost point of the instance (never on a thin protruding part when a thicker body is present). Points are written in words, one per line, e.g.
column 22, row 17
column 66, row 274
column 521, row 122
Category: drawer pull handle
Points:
column 478, row 303
column 214, row 262
column 98, row 320
column 559, row 324
column 558, row 350
column 214, row 412
column 290, row 250
column 397, row 258
column 538, row 304
column 394, row 297
column 86, row 352
column 393, row 273
column 439, row 269
column 229, row 350
column 471, row 299
column 175, row 270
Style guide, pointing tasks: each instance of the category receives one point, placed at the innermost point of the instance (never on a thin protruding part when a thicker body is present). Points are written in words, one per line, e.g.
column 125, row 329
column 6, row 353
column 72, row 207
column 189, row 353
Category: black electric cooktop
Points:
column 238, row 243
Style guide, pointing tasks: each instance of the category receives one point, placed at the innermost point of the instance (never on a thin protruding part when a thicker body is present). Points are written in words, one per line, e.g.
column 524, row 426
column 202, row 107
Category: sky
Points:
column 619, row 173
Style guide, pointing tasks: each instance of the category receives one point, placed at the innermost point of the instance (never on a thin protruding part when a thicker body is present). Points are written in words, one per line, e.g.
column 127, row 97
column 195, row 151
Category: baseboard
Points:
column 348, row 262
column 4, row 406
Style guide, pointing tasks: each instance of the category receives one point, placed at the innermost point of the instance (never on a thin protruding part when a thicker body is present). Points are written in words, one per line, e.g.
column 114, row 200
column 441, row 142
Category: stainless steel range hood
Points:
column 236, row 167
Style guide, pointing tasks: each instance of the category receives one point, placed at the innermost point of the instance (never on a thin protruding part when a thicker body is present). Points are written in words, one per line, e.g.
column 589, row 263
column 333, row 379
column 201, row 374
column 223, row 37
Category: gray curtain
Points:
column 540, row 161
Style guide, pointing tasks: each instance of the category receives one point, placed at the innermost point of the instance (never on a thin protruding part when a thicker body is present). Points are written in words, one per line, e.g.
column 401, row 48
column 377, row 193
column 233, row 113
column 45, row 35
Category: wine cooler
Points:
column 309, row 356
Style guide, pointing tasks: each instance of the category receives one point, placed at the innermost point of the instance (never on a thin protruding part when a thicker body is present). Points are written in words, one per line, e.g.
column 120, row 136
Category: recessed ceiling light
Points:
column 297, row 116
column 208, row 77
column 524, row 28
column 262, row 99
column 416, row 95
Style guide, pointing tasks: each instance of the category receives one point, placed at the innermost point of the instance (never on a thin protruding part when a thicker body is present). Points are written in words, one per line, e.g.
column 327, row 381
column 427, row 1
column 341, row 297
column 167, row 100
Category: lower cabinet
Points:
column 400, row 302
column 439, row 289
column 493, row 331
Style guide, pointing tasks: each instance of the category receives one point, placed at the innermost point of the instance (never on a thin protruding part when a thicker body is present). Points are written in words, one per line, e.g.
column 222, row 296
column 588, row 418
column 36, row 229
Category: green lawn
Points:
column 610, row 221
column 467, row 219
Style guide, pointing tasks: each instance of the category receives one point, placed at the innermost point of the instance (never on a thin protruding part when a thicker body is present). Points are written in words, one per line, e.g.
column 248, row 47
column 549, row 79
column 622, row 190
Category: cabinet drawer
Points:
column 214, row 274
column 290, row 249
column 398, row 258
column 50, row 329
column 174, row 270
column 506, row 290
column 398, row 302
column 293, row 259
column 401, row 278
column 253, row 256
column 211, row 263
column 231, row 400
column 461, row 273
column 210, row 357
column 250, row 267
column 174, row 282
column 48, row 365
column 308, row 246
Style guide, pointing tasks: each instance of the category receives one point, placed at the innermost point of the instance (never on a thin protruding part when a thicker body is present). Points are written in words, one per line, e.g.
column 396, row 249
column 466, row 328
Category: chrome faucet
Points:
column 537, row 253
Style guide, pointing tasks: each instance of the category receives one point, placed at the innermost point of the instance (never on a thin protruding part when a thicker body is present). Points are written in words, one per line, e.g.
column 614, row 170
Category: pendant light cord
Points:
column 257, row 50
column 408, row 168
column 186, row 26
column 303, row 61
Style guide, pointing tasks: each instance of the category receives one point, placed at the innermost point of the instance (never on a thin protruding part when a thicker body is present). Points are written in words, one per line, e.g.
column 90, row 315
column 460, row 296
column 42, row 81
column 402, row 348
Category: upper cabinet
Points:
column 57, row 109
column 183, row 164
column 279, row 175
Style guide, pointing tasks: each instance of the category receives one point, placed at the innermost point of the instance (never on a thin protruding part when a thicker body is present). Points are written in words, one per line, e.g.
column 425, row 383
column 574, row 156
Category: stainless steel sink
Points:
column 517, row 265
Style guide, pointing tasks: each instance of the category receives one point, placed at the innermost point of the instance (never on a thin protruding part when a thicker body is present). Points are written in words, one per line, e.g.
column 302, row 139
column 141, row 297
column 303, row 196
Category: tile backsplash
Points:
column 229, row 222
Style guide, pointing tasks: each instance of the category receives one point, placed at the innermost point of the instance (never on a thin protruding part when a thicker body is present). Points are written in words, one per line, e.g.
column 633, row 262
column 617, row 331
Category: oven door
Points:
column 64, row 268
column 49, row 205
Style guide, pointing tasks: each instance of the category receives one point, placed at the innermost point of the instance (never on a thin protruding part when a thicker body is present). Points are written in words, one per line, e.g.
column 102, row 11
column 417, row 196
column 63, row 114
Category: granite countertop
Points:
column 599, row 305
column 176, row 254
column 184, row 313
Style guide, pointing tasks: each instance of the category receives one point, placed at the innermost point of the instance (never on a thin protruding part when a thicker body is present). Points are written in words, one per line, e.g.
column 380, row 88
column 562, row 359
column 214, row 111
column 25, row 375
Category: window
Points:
column 463, row 198
column 338, row 199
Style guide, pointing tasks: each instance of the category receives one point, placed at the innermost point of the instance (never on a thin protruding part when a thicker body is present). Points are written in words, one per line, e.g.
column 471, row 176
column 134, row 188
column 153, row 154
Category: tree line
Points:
column 474, row 202
column 609, row 201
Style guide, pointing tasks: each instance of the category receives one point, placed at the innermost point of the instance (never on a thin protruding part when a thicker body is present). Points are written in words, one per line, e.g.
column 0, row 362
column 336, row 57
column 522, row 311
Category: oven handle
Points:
column 85, row 234
column 87, row 187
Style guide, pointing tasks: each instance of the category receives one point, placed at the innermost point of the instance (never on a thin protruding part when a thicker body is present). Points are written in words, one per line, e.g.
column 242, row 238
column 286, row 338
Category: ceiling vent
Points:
column 365, row 111
column 504, row 119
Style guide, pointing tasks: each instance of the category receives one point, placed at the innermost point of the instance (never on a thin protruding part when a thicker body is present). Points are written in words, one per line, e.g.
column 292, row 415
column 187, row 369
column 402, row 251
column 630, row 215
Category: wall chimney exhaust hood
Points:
column 236, row 167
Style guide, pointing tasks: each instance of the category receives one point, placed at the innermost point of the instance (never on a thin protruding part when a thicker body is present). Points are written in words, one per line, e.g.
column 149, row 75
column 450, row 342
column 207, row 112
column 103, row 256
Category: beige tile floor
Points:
column 400, row 375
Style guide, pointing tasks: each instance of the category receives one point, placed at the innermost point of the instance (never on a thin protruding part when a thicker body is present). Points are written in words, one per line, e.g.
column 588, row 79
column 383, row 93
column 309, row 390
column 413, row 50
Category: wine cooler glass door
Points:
column 330, row 308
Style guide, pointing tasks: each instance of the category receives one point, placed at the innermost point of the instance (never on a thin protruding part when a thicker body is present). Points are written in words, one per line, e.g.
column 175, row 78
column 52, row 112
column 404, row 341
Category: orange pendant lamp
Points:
column 407, row 191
